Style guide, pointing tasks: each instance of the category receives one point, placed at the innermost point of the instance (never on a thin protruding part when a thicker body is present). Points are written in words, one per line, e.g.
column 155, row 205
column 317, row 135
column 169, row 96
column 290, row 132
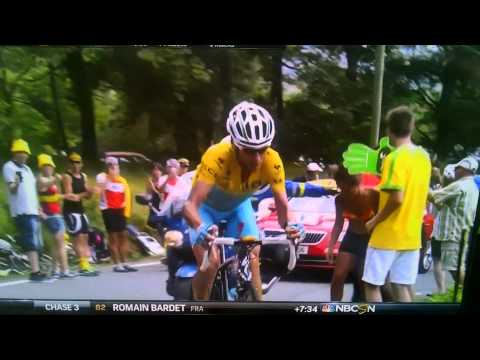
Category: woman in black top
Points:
column 76, row 189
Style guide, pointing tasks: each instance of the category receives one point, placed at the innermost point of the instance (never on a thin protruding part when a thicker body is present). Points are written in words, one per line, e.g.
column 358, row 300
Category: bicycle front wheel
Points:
column 249, row 295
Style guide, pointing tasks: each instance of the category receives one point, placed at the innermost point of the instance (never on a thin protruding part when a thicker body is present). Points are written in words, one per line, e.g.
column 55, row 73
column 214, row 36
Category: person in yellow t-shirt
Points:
column 396, row 229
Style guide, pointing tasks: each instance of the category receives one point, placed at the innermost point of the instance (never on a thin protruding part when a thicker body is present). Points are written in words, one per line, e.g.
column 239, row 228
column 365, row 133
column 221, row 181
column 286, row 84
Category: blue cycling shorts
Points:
column 241, row 221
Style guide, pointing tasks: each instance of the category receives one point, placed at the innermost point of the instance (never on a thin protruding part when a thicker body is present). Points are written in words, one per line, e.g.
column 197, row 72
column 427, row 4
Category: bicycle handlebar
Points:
column 273, row 240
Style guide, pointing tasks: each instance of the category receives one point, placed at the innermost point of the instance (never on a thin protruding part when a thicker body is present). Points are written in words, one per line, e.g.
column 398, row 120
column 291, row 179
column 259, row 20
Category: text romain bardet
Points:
column 148, row 307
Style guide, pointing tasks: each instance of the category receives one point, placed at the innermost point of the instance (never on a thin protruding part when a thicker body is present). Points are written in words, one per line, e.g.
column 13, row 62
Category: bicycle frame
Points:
column 242, row 260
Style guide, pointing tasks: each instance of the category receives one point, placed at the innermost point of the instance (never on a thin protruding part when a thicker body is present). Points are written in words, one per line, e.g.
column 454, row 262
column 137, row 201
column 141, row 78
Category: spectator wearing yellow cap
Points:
column 50, row 198
column 24, row 206
column 75, row 187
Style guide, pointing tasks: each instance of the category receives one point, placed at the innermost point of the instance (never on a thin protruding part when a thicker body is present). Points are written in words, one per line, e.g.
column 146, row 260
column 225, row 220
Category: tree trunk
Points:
column 277, row 85
column 58, row 116
column 225, row 85
column 442, row 115
column 185, row 136
column 276, row 93
column 83, row 94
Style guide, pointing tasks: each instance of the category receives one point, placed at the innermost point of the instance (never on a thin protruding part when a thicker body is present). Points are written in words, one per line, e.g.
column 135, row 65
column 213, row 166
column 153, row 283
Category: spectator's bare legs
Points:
column 60, row 253
column 411, row 290
column 386, row 290
column 372, row 293
column 80, row 245
column 113, row 247
column 33, row 259
column 461, row 277
column 123, row 246
column 440, row 276
column 344, row 264
column 401, row 293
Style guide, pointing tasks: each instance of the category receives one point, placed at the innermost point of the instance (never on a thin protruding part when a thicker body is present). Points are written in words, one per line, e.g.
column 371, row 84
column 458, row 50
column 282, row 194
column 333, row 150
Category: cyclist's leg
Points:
column 203, row 281
column 242, row 223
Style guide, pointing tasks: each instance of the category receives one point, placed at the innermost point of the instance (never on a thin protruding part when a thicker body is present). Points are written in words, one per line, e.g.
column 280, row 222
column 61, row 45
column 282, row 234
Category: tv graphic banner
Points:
column 92, row 307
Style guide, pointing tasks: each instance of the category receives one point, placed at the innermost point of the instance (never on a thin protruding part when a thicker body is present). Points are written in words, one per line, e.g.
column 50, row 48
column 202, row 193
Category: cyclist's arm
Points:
column 281, row 204
column 197, row 196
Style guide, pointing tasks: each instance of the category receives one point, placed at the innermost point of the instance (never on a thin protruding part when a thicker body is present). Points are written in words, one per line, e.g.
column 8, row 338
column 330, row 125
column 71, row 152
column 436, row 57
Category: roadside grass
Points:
column 447, row 297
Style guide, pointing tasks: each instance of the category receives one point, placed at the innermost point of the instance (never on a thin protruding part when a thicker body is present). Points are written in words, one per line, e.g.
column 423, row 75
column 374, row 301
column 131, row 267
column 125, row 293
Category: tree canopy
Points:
column 174, row 101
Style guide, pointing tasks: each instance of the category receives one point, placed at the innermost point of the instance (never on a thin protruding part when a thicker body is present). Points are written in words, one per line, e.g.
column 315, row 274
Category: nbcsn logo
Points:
column 348, row 308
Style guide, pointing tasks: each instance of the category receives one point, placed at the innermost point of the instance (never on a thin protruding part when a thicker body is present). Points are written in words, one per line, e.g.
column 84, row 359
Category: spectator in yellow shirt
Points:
column 396, row 229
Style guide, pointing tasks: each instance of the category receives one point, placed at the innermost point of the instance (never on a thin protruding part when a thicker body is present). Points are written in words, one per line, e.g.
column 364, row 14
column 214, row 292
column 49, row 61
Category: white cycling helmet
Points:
column 250, row 126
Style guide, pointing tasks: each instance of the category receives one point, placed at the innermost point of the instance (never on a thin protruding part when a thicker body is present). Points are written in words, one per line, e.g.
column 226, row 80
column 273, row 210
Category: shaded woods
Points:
column 174, row 101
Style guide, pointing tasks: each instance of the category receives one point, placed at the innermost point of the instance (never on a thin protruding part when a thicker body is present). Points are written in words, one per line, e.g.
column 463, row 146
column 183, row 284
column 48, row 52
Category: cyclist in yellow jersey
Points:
column 229, row 173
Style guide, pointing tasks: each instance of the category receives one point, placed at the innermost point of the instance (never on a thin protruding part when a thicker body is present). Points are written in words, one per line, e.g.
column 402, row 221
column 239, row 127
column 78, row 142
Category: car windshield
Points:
column 313, row 205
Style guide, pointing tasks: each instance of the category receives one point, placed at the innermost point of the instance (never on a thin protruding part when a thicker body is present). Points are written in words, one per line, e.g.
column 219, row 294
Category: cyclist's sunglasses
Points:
column 184, row 165
column 255, row 151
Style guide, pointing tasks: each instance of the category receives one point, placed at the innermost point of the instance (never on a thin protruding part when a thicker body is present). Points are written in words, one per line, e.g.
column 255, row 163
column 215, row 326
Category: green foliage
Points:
column 173, row 102
column 448, row 296
column 6, row 222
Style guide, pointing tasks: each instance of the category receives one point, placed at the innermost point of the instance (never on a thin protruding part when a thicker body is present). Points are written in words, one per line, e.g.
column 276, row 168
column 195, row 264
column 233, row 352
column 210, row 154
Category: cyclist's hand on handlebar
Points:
column 206, row 234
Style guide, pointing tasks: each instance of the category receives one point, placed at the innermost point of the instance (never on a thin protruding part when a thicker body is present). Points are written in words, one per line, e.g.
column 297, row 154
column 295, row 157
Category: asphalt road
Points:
column 149, row 284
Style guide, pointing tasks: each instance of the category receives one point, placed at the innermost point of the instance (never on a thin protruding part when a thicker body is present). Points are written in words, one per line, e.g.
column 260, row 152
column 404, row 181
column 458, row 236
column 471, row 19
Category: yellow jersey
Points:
column 406, row 169
column 220, row 167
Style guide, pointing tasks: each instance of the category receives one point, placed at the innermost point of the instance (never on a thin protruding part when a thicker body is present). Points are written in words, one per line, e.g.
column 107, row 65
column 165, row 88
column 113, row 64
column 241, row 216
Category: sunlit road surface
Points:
column 149, row 284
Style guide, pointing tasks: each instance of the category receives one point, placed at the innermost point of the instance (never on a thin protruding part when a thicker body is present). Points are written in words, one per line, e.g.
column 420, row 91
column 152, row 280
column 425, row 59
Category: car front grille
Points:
column 310, row 237
column 313, row 238
column 274, row 232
